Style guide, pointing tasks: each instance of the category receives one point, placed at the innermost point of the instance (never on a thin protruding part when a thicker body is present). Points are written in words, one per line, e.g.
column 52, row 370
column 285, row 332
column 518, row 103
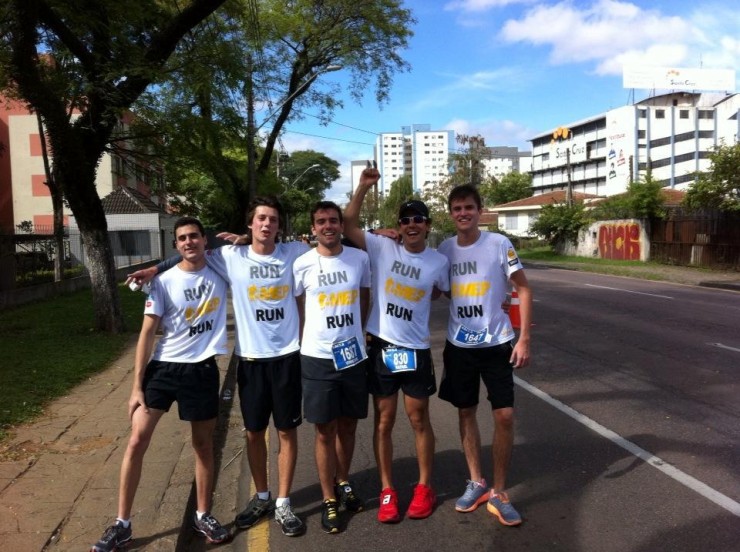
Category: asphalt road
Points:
column 628, row 433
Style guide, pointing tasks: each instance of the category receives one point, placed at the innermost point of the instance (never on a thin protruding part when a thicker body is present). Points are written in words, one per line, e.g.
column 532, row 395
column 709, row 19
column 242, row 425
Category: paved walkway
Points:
column 59, row 475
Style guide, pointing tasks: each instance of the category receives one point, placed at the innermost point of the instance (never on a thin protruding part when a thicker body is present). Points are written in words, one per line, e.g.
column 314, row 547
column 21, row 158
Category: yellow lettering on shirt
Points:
column 410, row 293
column 209, row 305
column 268, row 293
column 338, row 298
column 470, row 289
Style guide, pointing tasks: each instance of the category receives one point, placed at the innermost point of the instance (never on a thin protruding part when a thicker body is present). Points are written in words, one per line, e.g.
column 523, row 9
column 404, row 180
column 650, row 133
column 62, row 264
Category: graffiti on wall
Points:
column 620, row 241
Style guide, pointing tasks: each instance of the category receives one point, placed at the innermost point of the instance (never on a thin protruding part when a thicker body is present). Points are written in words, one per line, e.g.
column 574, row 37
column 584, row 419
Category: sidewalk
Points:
column 59, row 475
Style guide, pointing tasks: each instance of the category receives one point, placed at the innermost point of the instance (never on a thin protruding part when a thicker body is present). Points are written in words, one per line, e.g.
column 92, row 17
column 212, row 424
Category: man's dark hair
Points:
column 265, row 201
column 185, row 221
column 326, row 205
column 464, row 191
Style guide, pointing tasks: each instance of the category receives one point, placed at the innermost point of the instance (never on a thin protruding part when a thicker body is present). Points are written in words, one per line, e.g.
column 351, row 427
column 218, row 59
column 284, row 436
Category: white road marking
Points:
column 685, row 479
column 721, row 346
column 629, row 291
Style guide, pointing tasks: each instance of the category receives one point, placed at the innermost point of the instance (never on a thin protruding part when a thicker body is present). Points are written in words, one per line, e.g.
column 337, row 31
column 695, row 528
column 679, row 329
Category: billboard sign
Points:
column 675, row 78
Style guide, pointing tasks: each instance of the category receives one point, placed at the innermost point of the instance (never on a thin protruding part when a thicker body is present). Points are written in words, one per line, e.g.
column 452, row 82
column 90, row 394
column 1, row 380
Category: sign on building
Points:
column 675, row 78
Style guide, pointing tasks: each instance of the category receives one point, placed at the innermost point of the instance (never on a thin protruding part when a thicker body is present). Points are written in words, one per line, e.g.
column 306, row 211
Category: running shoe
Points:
column 211, row 529
column 500, row 507
column 347, row 497
column 330, row 517
column 475, row 494
column 422, row 504
column 114, row 538
column 290, row 524
column 388, row 510
column 256, row 509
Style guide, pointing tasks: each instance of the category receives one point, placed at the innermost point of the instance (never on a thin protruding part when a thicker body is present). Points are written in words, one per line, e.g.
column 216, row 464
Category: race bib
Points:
column 472, row 337
column 346, row 353
column 399, row 359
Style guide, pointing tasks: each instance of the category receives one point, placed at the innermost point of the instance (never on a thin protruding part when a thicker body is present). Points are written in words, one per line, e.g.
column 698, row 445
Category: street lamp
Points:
column 314, row 166
column 252, row 129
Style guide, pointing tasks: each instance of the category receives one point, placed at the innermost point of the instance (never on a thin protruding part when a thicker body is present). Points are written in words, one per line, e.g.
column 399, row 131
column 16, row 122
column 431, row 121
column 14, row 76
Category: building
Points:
column 416, row 151
column 516, row 217
column 24, row 195
column 671, row 135
column 498, row 161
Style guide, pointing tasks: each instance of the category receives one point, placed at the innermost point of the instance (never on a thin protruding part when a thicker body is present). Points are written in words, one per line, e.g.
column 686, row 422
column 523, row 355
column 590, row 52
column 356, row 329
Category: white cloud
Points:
column 601, row 33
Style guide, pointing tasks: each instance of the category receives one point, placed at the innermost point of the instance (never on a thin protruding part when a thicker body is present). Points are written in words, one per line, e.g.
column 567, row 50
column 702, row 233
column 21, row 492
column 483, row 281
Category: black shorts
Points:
column 464, row 367
column 329, row 393
column 381, row 382
column 194, row 385
column 270, row 386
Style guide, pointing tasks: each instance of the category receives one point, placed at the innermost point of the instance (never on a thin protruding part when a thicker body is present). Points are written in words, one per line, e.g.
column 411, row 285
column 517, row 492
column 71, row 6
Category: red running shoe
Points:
column 423, row 502
column 388, row 510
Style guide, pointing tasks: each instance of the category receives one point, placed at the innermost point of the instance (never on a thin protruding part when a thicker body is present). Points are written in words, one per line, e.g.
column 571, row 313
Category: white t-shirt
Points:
column 402, row 284
column 332, row 287
column 192, row 308
column 265, row 310
column 479, row 278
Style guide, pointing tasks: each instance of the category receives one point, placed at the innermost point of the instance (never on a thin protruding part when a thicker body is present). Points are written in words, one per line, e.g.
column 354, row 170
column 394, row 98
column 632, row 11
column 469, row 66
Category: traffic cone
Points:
column 516, row 321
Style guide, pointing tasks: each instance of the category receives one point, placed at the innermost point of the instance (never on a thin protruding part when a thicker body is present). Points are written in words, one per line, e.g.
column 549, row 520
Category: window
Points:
column 641, row 134
column 705, row 114
column 512, row 221
column 683, row 114
column 642, row 113
column 660, row 113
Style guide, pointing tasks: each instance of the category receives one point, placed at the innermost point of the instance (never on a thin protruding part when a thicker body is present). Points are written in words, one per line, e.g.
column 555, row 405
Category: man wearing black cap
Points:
column 405, row 278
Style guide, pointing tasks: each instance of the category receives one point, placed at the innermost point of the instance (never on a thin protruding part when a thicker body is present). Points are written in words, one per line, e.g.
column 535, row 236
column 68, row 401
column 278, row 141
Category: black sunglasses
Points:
column 418, row 219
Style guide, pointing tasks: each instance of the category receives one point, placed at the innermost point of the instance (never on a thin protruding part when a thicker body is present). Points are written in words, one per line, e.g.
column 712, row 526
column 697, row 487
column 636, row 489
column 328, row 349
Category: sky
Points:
column 511, row 69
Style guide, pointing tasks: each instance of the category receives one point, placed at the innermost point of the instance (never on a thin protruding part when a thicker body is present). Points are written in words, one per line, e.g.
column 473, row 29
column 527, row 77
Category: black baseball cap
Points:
column 416, row 206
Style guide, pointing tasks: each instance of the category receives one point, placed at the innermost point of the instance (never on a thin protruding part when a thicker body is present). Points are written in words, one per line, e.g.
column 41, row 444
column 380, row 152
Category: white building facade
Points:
column 671, row 135
column 417, row 151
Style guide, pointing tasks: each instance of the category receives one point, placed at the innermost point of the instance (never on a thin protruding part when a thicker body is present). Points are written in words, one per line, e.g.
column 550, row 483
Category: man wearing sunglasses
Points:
column 405, row 278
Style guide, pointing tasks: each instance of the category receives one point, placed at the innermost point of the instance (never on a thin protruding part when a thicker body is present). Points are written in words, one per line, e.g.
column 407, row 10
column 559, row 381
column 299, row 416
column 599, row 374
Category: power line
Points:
column 340, row 124
column 327, row 138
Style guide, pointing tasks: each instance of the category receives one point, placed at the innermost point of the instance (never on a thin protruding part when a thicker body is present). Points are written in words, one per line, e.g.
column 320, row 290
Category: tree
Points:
column 108, row 52
column 402, row 190
column 719, row 187
column 513, row 186
column 272, row 60
column 643, row 199
column 560, row 223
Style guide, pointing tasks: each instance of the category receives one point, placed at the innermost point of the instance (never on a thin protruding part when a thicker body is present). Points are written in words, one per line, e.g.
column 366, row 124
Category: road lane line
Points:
column 629, row 291
column 721, row 346
column 685, row 479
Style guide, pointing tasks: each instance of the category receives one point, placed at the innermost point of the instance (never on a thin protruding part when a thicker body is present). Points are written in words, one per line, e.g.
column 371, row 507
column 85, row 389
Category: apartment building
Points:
column 24, row 195
column 417, row 151
column 670, row 134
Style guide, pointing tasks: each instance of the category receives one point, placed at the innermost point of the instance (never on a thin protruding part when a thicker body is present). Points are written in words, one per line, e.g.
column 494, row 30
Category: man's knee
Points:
column 504, row 418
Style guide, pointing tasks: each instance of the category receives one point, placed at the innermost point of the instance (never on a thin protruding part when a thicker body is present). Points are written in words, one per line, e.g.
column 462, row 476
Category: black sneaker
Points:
column 255, row 511
column 211, row 529
column 347, row 497
column 330, row 517
column 289, row 523
column 114, row 538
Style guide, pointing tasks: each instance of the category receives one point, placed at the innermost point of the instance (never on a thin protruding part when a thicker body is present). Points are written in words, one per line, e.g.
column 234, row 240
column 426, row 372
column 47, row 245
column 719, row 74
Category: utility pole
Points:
column 251, row 131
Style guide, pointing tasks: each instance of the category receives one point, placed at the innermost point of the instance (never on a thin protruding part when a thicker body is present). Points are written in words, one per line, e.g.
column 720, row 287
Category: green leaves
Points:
column 719, row 187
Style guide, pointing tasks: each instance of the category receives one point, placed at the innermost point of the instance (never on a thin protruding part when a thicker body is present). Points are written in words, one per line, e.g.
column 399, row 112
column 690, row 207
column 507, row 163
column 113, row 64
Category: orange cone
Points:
column 516, row 321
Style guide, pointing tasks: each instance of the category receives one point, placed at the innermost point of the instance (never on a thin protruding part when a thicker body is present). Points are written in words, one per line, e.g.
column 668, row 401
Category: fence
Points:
column 707, row 238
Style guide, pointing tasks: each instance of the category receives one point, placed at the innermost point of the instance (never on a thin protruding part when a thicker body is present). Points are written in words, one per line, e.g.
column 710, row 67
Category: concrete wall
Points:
column 23, row 295
column 613, row 239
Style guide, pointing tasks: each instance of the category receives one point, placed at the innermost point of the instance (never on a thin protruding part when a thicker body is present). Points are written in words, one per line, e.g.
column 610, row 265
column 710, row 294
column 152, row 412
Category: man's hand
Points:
column 368, row 178
column 236, row 239
column 520, row 355
column 135, row 401
column 143, row 276
column 388, row 233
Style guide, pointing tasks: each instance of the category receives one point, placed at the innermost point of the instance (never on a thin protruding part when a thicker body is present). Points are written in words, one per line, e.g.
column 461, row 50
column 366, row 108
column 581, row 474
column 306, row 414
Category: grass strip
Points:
column 50, row 346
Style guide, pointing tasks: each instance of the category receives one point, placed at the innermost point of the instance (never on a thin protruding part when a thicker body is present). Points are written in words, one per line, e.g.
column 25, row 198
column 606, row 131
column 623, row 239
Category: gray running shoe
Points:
column 290, row 524
column 113, row 539
column 475, row 494
column 255, row 511
column 500, row 507
column 211, row 529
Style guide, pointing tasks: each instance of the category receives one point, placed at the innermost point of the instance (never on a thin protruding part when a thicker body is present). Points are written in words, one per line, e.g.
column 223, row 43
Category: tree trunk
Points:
column 106, row 302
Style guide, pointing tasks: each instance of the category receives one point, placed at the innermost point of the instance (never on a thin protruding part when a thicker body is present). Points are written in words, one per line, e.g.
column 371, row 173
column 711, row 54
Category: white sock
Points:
column 280, row 501
column 199, row 515
column 124, row 522
column 263, row 496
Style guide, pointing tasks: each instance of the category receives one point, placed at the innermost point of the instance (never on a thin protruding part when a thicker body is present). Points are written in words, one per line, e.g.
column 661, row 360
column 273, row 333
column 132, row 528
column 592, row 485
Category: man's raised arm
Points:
column 352, row 230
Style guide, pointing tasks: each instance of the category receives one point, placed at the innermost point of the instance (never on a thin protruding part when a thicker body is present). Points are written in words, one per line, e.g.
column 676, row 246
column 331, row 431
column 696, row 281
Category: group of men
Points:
column 312, row 342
